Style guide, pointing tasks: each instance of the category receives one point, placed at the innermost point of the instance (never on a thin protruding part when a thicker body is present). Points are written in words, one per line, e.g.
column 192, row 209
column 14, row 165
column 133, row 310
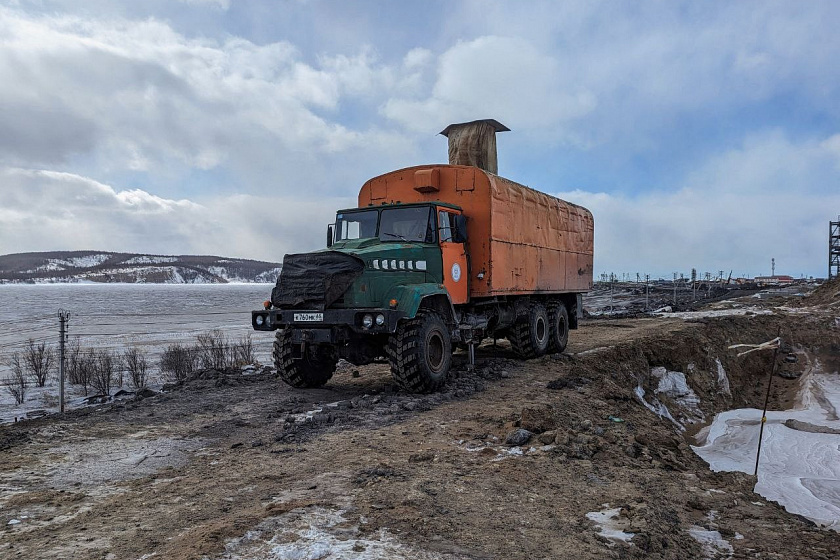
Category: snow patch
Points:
column 714, row 545
column 657, row 407
column 674, row 386
column 722, row 379
column 609, row 524
column 150, row 259
column 716, row 313
column 315, row 533
column 798, row 469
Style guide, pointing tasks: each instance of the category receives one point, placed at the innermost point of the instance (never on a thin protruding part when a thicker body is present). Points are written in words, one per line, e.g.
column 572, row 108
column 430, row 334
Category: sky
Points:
column 700, row 134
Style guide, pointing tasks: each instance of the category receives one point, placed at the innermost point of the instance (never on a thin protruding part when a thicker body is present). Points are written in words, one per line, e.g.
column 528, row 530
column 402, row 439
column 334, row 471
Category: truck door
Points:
column 455, row 267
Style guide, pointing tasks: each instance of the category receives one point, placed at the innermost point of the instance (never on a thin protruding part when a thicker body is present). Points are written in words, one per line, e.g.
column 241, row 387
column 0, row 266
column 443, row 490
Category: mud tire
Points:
column 314, row 369
column 558, row 327
column 420, row 353
column 529, row 336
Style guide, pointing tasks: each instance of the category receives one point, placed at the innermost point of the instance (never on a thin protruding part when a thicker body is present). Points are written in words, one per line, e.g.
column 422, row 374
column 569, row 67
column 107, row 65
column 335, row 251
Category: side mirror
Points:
column 460, row 233
column 330, row 235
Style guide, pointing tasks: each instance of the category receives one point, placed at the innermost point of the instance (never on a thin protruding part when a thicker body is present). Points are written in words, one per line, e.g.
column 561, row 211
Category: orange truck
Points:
column 434, row 256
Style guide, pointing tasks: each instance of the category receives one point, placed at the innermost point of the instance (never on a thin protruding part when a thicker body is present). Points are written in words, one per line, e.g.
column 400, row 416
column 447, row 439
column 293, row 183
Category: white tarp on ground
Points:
column 799, row 467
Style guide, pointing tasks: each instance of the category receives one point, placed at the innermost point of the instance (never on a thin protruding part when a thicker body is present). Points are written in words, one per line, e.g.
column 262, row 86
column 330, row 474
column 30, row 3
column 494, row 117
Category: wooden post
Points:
column 766, row 400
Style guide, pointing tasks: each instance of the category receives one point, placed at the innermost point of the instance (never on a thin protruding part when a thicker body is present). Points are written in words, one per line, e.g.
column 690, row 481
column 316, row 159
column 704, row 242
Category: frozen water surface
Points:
column 799, row 467
column 115, row 317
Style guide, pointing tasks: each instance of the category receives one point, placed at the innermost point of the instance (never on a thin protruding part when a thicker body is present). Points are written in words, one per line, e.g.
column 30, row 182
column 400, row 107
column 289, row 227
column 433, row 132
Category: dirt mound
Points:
column 827, row 294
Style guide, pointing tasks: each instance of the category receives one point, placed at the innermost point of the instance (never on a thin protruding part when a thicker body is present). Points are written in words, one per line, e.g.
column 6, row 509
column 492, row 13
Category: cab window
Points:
column 446, row 226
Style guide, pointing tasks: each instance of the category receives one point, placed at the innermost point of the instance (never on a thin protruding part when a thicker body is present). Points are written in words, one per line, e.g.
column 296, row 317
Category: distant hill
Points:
column 131, row 268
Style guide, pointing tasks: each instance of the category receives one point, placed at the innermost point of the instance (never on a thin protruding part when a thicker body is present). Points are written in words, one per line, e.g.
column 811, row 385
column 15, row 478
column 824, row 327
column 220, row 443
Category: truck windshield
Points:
column 355, row 225
column 407, row 224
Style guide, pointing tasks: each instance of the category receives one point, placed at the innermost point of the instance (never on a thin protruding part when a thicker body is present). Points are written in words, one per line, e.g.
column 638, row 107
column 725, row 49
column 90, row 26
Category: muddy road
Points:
column 229, row 466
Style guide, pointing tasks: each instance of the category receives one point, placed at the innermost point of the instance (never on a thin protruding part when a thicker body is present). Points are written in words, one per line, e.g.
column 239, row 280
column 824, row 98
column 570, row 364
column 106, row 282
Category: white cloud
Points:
column 742, row 208
column 46, row 211
column 137, row 95
column 505, row 78
column 217, row 4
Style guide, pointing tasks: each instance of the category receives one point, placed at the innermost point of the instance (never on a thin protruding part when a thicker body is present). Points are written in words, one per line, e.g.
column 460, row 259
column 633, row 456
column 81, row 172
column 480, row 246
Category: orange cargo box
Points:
column 520, row 241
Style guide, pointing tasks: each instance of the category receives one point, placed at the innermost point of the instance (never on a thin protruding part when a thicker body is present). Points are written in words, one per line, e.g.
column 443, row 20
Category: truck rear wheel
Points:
column 529, row 335
column 558, row 327
column 315, row 368
column 420, row 353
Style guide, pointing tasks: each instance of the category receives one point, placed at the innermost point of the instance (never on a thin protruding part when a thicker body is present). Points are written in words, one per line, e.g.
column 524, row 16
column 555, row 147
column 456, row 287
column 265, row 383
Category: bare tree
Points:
column 74, row 357
column 136, row 363
column 88, row 369
column 177, row 362
column 39, row 360
column 16, row 383
column 104, row 367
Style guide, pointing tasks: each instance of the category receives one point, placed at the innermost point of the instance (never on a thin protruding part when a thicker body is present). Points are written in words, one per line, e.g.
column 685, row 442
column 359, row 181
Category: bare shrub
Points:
column 243, row 351
column 39, row 360
column 16, row 382
column 136, row 364
column 214, row 350
column 177, row 362
column 104, row 365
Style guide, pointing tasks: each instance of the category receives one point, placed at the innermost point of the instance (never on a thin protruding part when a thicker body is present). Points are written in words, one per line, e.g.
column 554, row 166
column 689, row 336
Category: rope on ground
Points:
column 769, row 345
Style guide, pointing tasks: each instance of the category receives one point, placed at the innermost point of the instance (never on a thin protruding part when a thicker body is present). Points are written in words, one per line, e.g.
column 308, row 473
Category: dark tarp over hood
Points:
column 315, row 280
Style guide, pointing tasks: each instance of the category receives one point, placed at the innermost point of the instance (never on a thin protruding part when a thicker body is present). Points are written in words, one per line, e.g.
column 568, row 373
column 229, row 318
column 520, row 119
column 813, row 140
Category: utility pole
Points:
column 772, row 267
column 694, row 283
column 63, row 318
column 675, row 288
column 647, row 292
column 834, row 249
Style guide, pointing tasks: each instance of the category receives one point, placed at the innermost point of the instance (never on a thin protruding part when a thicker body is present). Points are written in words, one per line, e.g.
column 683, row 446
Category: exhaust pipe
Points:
column 474, row 143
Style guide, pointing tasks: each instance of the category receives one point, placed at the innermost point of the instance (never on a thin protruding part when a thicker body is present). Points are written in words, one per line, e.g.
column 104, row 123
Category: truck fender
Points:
column 410, row 298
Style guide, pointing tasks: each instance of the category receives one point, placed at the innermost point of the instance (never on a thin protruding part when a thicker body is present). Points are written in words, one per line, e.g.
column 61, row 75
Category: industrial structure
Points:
column 834, row 249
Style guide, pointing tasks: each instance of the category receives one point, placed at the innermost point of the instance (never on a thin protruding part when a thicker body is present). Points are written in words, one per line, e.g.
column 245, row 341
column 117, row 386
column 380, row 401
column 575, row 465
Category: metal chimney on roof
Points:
column 474, row 143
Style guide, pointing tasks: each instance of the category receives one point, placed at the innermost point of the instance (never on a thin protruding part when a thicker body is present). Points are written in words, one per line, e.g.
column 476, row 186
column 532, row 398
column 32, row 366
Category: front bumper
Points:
column 330, row 322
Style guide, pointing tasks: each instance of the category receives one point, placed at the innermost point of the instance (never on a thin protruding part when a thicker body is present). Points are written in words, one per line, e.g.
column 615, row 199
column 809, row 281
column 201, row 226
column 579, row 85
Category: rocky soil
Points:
column 512, row 460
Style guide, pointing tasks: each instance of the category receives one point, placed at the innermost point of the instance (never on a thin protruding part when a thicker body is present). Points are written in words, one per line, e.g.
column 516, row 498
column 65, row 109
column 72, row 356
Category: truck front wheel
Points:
column 313, row 369
column 420, row 353
column 558, row 327
column 529, row 335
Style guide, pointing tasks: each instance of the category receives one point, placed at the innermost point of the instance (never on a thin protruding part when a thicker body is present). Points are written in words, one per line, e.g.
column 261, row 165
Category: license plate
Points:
column 309, row 317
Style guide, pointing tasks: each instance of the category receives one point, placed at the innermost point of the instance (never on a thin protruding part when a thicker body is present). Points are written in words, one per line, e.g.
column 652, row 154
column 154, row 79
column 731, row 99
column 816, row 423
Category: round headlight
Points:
column 367, row 321
column 259, row 320
column 380, row 320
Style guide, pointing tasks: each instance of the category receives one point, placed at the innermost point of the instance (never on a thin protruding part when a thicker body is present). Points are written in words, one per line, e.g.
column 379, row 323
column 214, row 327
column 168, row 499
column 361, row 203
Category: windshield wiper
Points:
column 395, row 235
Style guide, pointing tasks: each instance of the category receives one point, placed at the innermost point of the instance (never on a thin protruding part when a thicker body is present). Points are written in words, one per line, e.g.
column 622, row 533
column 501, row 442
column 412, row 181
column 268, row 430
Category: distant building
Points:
column 778, row 280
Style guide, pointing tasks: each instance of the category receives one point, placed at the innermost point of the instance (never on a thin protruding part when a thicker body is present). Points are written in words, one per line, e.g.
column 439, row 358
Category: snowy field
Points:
column 800, row 454
column 116, row 317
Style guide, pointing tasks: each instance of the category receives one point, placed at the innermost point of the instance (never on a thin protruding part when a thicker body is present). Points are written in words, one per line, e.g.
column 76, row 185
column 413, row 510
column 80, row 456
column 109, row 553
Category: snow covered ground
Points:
column 800, row 454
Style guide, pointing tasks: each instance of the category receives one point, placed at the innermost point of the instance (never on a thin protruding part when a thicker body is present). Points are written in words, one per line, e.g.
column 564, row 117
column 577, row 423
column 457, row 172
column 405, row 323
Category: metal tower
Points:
column 834, row 249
